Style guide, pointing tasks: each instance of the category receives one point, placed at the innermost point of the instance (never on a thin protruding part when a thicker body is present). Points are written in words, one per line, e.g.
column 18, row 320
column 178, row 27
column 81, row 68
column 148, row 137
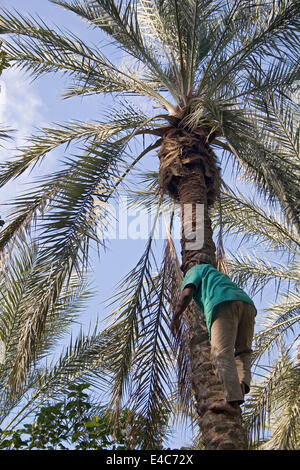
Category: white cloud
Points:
column 20, row 109
column 20, row 106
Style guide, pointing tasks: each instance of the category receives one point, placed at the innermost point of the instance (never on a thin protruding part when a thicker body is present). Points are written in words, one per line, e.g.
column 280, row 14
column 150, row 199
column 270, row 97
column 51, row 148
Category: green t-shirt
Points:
column 216, row 287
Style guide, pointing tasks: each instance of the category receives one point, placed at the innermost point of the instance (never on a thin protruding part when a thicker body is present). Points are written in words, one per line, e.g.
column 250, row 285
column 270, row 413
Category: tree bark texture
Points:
column 189, row 173
column 192, row 193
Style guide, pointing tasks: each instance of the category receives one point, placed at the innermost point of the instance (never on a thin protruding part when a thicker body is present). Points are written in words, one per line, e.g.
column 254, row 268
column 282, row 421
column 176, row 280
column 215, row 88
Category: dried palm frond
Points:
column 181, row 151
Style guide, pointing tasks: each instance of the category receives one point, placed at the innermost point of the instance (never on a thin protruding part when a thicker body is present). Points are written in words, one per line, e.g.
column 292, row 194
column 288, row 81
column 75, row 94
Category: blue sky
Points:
column 27, row 106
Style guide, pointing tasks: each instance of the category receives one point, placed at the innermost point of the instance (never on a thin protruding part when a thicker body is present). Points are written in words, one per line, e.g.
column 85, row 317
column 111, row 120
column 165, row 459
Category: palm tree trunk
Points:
column 196, row 230
column 188, row 172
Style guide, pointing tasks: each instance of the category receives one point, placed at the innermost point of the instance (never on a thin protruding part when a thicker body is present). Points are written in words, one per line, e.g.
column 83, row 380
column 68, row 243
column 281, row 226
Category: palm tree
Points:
column 201, row 62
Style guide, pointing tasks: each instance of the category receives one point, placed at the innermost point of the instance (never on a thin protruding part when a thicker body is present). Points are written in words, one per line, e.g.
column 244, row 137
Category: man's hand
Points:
column 184, row 300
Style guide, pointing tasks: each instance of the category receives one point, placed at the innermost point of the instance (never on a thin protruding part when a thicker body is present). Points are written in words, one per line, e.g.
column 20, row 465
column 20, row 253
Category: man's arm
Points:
column 183, row 301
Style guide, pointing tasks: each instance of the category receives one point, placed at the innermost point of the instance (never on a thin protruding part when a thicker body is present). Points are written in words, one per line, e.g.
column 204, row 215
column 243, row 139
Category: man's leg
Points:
column 223, row 339
column 243, row 344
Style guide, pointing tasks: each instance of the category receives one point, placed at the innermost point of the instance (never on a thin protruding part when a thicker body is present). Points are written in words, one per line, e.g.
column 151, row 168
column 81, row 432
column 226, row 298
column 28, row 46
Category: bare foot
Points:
column 219, row 406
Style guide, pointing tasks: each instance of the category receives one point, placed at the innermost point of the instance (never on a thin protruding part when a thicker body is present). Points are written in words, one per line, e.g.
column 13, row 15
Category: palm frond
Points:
column 258, row 407
column 260, row 31
column 143, row 360
column 275, row 396
column 19, row 279
column 130, row 297
column 5, row 134
column 183, row 393
column 65, row 234
column 123, row 22
column 45, row 50
column 81, row 361
column 122, row 120
column 104, row 153
column 152, row 364
column 257, row 272
column 272, row 176
column 280, row 320
column 285, row 429
column 242, row 215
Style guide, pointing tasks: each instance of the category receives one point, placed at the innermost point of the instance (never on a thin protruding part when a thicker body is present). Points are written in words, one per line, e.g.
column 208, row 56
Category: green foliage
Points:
column 4, row 63
column 68, row 424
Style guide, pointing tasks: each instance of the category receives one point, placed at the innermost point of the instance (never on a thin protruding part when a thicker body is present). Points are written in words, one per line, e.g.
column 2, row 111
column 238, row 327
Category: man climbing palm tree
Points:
column 229, row 315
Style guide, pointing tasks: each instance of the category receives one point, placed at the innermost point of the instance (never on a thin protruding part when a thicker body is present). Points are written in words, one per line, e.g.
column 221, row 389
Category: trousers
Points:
column 231, row 339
